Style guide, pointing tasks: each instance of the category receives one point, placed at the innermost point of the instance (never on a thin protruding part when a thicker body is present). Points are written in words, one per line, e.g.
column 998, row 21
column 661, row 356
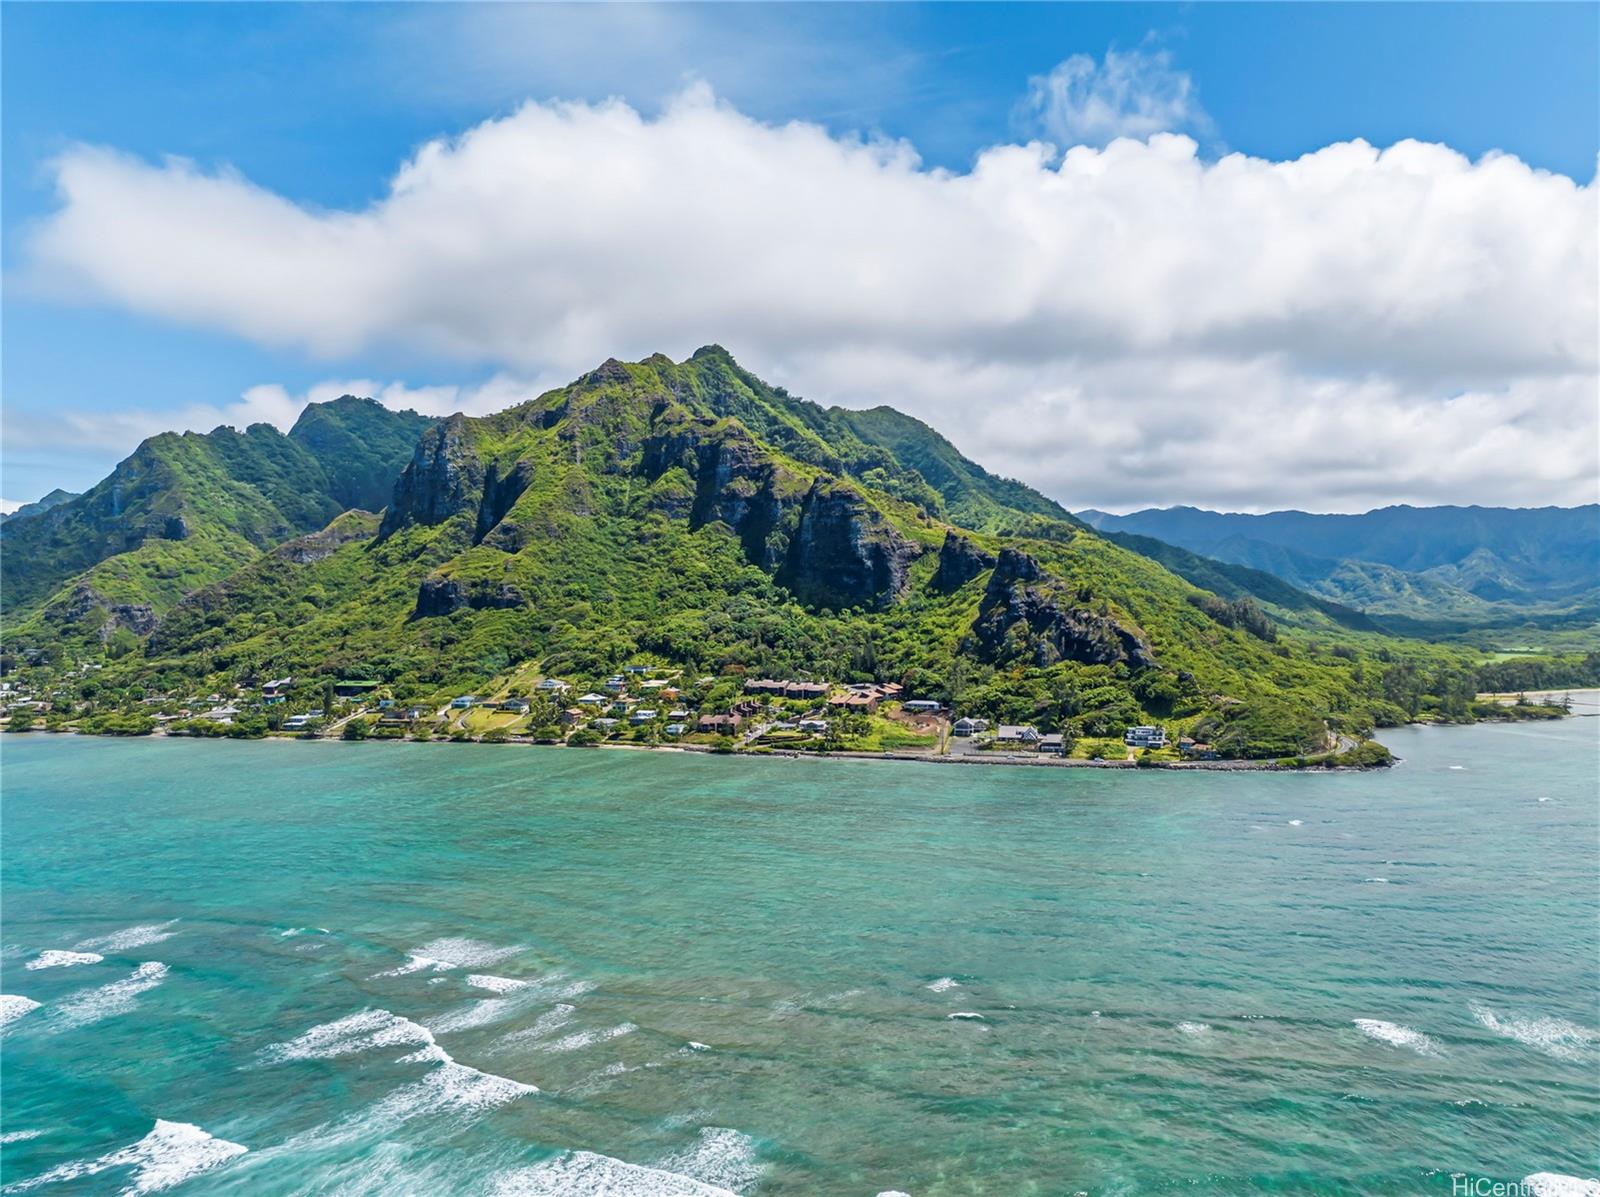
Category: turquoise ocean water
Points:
column 286, row 968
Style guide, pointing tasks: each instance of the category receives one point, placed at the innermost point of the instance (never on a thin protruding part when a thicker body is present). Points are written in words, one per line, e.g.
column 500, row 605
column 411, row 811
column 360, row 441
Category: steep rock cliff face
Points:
column 444, row 477
column 734, row 483
column 1025, row 614
column 440, row 595
column 844, row 554
column 959, row 562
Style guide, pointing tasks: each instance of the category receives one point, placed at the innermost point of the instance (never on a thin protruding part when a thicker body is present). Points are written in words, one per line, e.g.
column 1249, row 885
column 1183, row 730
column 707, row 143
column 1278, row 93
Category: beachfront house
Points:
column 1017, row 733
column 642, row 715
column 1193, row 750
column 967, row 726
column 1144, row 736
column 676, row 729
column 814, row 725
column 1054, row 744
column 277, row 689
column 604, row 725
column 519, row 705
column 296, row 722
column 922, row 706
column 725, row 725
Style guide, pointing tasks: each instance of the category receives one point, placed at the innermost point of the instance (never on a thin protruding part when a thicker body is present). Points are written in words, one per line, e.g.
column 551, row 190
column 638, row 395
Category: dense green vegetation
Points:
column 684, row 514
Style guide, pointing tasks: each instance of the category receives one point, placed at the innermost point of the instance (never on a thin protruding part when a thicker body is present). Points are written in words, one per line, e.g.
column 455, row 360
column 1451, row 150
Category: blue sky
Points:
column 320, row 104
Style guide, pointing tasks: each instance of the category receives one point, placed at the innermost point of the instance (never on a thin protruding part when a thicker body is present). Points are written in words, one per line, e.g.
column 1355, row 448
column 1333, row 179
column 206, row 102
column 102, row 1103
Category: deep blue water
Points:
column 392, row 968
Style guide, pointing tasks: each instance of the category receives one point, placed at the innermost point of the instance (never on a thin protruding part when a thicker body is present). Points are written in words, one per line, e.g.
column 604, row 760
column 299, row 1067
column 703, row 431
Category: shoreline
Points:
column 1001, row 760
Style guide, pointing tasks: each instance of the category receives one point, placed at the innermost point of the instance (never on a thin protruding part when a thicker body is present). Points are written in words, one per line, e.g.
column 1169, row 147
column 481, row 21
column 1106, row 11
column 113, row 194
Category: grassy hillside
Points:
column 689, row 515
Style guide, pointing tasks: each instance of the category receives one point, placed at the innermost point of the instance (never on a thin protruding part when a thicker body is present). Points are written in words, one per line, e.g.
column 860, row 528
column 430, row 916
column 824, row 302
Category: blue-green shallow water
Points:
column 791, row 916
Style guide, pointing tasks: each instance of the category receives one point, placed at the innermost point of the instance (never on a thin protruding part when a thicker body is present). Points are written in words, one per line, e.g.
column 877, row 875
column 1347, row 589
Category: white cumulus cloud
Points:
column 1124, row 324
column 1129, row 93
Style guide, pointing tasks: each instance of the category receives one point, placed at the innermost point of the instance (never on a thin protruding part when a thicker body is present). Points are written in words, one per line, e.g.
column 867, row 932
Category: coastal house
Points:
column 354, row 689
column 615, row 684
column 813, row 725
column 296, row 722
column 725, row 725
column 677, row 714
column 593, row 700
column 656, row 683
column 1145, row 736
column 570, row 716
column 519, row 705
column 277, row 687
column 670, row 693
column 553, row 685
column 604, row 725
column 1055, row 744
column 922, row 706
column 1193, row 750
column 809, row 690
column 463, row 702
column 1017, row 733
column 636, row 669
column 764, row 686
column 854, row 700
column 642, row 715
column 675, row 729
column 968, row 726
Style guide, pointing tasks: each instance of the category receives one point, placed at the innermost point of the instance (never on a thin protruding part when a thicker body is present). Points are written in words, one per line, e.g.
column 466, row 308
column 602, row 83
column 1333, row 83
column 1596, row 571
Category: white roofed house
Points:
column 1017, row 733
column 553, row 685
column 1145, row 737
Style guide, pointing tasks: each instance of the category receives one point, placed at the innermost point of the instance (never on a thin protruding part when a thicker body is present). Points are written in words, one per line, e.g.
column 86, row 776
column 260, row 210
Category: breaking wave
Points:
column 585, row 1174
column 1396, row 1035
column 13, row 1006
column 169, row 1155
column 1553, row 1036
column 57, row 959
column 108, row 1001
column 129, row 938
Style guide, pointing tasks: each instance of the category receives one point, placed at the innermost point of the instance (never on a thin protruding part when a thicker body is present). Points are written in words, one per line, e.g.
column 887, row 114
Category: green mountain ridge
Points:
column 187, row 509
column 689, row 514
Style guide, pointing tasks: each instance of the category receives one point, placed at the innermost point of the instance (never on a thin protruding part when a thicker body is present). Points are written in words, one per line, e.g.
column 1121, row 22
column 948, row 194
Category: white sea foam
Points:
column 720, row 1156
column 582, row 1039
column 19, row 1136
column 291, row 932
column 1296, row 822
column 439, row 955
column 169, row 1155
column 942, row 984
column 55, row 959
column 108, row 1001
column 1558, row 1184
column 495, row 984
column 13, row 1006
column 585, row 1174
column 450, row 1086
column 129, row 938
column 1553, row 1036
column 1194, row 1028
column 1377, row 881
column 543, row 1027
column 695, row 1045
column 971, row 1015
column 1396, row 1035
column 354, row 1033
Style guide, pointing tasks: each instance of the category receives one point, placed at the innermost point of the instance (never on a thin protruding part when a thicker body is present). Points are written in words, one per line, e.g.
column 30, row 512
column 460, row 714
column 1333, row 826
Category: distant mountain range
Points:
column 1419, row 568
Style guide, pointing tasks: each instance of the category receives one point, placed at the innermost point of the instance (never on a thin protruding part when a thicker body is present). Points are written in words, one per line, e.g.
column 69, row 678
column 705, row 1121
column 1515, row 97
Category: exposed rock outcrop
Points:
column 439, row 595
column 959, row 562
column 139, row 618
column 734, row 482
column 844, row 553
column 1025, row 614
column 443, row 478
